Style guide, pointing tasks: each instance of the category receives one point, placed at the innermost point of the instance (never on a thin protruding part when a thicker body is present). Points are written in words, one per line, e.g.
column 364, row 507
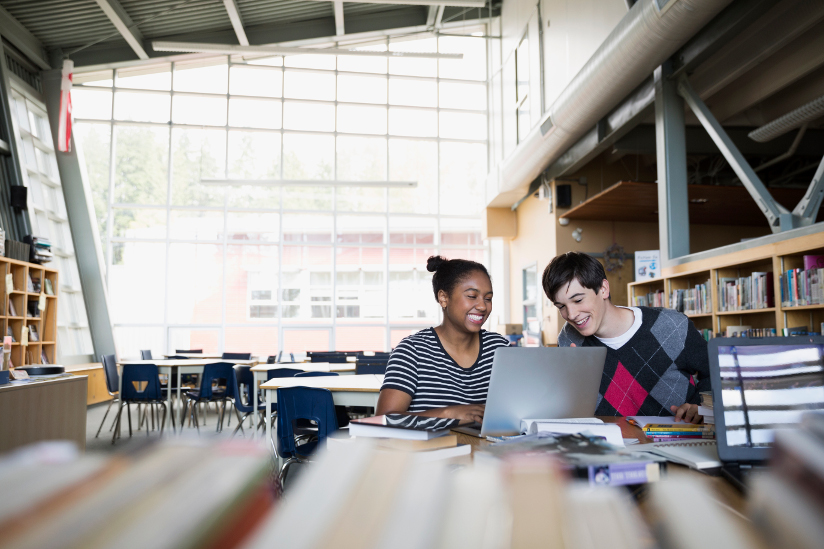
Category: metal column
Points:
column 671, row 151
column 83, row 226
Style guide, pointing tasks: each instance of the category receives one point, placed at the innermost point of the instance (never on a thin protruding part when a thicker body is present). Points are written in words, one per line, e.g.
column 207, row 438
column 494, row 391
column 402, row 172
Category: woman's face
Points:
column 469, row 304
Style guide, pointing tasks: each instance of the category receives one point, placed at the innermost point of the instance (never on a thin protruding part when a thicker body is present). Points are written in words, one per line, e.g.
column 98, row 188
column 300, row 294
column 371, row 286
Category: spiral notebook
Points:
column 696, row 454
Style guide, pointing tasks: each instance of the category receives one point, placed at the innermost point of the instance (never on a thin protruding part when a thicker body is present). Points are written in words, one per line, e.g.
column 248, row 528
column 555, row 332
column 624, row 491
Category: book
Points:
column 402, row 426
column 611, row 432
column 660, row 421
column 12, row 308
column 48, row 286
column 44, row 359
column 623, row 474
column 10, row 333
column 813, row 262
column 443, row 453
column 33, row 335
column 696, row 454
column 446, row 441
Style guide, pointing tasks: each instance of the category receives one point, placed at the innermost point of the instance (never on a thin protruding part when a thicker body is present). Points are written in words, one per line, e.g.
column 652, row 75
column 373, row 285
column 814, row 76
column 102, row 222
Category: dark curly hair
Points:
column 449, row 272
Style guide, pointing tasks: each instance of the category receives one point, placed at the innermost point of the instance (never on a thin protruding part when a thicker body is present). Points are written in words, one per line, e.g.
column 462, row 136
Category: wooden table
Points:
column 179, row 366
column 354, row 390
column 47, row 409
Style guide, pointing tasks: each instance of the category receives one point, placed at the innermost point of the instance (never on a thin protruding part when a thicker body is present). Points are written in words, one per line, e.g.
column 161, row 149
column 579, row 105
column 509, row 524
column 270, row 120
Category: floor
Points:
column 103, row 443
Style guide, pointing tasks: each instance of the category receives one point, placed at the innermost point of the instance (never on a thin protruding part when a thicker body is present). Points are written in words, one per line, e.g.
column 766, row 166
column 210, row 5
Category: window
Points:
column 522, row 87
column 531, row 307
column 301, row 265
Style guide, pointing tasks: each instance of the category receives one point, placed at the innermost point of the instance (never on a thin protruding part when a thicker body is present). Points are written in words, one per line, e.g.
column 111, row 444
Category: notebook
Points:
column 696, row 454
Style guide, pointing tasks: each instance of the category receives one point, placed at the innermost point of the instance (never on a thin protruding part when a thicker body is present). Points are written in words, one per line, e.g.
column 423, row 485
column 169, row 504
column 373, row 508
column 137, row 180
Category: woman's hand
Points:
column 464, row 412
column 687, row 412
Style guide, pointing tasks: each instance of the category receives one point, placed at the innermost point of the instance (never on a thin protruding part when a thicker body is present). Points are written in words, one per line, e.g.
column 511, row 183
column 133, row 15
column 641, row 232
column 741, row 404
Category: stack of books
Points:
column 171, row 495
column 705, row 408
column 746, row 293
column 805, row 286
column 40, row 249
column 693, row 301
column 667, row 432
column 652, row 299
column 429, row 436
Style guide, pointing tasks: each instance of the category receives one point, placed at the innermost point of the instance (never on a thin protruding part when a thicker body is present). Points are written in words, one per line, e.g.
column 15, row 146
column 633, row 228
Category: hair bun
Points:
column 434, row 262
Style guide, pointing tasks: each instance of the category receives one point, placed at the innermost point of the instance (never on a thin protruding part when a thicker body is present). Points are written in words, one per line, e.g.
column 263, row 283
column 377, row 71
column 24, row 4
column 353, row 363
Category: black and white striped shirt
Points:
column 421, row 367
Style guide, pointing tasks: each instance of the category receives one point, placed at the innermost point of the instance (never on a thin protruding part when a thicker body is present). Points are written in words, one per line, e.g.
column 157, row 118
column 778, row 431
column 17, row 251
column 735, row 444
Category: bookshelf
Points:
column 776, row 258
column 29, row 309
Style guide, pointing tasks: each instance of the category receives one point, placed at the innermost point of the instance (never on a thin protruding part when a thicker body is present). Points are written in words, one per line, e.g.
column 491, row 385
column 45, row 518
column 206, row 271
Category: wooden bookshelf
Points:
column 26, row 300
column 776, row 258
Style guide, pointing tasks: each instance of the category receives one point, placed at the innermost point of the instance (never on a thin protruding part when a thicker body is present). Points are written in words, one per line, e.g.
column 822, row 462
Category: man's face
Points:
column 581, row 307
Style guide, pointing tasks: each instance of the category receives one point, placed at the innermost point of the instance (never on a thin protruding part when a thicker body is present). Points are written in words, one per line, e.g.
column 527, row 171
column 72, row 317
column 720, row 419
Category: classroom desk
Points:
column 261, row 370
column 354, row 390
column 178, row 367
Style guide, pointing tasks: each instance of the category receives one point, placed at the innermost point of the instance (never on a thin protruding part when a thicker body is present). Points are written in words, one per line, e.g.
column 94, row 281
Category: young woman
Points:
column 444, row 371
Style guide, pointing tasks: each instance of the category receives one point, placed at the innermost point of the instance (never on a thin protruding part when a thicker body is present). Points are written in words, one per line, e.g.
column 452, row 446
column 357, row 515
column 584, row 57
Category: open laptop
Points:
column 761, row 385
column 539, row 383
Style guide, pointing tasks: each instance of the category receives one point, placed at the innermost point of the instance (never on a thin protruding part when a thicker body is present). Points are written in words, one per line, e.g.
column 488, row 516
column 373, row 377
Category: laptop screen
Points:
column 765, row 387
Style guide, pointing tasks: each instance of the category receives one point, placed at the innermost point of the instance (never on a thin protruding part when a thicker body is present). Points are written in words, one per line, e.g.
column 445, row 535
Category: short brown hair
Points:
column 565, row 268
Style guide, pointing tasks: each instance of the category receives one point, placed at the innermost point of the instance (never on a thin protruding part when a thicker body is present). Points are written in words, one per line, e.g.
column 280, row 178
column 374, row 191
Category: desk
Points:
column 354, row 390
column 43, row 410
column 206, row 356
column 180, row 366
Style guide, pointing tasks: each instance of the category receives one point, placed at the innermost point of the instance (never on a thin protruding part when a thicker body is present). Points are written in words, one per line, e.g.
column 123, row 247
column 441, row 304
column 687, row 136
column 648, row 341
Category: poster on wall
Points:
column 647, row 265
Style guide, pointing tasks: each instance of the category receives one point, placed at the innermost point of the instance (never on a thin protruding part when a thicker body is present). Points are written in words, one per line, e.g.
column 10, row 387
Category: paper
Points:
column 24, row 336
column 42, row 303
column 9, row 283
column 610, row 431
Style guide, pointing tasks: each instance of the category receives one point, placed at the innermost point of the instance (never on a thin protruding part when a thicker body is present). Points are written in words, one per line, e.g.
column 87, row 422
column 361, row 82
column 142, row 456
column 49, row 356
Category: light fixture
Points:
column 563, row 221
column 307, row 183
column 229, row 49
column 576, row 234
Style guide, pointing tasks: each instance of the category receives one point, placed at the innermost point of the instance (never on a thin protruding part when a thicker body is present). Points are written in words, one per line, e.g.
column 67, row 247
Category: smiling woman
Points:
column 444, row 371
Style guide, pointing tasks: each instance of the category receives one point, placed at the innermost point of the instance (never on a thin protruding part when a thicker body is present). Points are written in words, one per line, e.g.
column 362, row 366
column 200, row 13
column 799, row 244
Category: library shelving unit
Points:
column 776, row 257
column 29, row 311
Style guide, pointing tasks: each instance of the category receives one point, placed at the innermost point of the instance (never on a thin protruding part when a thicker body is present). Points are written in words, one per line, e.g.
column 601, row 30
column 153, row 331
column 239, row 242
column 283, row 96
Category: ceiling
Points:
column 94, row 32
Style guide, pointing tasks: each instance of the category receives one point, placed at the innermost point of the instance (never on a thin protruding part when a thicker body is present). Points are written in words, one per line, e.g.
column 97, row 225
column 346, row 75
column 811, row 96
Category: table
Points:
column 207, row 356
column 354, row 390
column 181, row 366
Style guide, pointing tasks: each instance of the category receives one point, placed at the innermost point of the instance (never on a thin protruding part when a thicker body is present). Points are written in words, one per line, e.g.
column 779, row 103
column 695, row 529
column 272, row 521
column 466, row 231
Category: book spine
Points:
column 623, row 474
column 666, row 438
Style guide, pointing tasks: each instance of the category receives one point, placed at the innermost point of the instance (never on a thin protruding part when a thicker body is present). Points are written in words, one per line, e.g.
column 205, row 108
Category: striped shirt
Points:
column 421, row 367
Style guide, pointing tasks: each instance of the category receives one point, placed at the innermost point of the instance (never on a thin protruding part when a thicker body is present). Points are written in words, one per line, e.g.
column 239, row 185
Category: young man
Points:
column 652, row 354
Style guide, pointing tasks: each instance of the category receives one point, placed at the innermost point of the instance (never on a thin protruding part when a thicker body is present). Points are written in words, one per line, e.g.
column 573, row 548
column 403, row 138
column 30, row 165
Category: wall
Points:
column 571, row 32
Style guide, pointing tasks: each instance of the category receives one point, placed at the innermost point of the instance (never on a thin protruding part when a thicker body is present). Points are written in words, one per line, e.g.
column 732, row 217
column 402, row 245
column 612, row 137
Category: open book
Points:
column 696, row 454
column 610, row 431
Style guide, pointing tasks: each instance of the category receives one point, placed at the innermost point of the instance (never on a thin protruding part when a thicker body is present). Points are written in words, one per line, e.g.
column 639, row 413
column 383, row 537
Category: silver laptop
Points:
column 540, row 383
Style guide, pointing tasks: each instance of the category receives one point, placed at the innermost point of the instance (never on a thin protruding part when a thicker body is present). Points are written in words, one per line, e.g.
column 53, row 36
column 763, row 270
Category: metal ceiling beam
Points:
column 431, row 13
column 237, row 22
column 807, row 208
column 453, row 3
column 12, row 30
column 228, row 49
column 339, row 30
column 778, row 217
column 439, row 16
column 124, row 24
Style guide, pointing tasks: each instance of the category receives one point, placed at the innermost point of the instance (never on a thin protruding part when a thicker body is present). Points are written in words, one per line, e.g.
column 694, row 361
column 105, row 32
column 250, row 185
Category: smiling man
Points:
column 652, row 354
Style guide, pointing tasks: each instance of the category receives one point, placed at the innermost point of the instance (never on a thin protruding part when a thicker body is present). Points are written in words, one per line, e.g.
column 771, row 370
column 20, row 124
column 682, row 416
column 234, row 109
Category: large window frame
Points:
column 442, row 223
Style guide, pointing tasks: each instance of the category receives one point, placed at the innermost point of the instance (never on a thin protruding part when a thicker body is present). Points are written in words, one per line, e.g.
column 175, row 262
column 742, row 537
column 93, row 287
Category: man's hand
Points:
column 687, row 412
column 465, row 412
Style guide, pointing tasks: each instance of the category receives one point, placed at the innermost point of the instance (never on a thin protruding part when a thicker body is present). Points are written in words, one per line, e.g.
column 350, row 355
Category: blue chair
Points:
column 141, row 385
column 370, row 366
column 331, row 357
column 189, row 351
column 112, row 383
column 302, row 403
column 315, row 374
column 283, row 372
column 146, row 355
column 209, row 391
column 236, row 356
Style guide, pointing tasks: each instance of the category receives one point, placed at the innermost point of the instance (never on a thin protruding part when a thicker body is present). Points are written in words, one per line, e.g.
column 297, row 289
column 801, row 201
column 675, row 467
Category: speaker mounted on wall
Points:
column 18, row 197
column 563, row 195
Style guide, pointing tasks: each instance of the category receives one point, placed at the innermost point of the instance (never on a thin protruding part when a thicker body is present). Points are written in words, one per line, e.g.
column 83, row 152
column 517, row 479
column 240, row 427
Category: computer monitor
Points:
column 761, row 385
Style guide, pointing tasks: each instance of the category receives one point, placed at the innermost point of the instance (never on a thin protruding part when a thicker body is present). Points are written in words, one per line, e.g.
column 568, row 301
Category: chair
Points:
column 146, row 355
column 280, row 357
column 140, row 385
column 112, row 386
column 306, row 403
column 213, row 374
column 370, row 367
column 333, row 358
column 271, row 359
column 316, row 374
column 236, row 356
column 189, row 351
column 244, row 385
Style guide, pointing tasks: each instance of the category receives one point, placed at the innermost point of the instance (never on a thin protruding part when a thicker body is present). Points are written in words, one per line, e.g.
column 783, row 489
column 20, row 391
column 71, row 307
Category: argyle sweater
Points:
column 653, row 370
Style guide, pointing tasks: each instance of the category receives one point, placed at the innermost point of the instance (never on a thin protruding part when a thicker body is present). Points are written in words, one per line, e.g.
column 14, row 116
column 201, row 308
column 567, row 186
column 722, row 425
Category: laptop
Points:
column 540, row 383
column 759, row 386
